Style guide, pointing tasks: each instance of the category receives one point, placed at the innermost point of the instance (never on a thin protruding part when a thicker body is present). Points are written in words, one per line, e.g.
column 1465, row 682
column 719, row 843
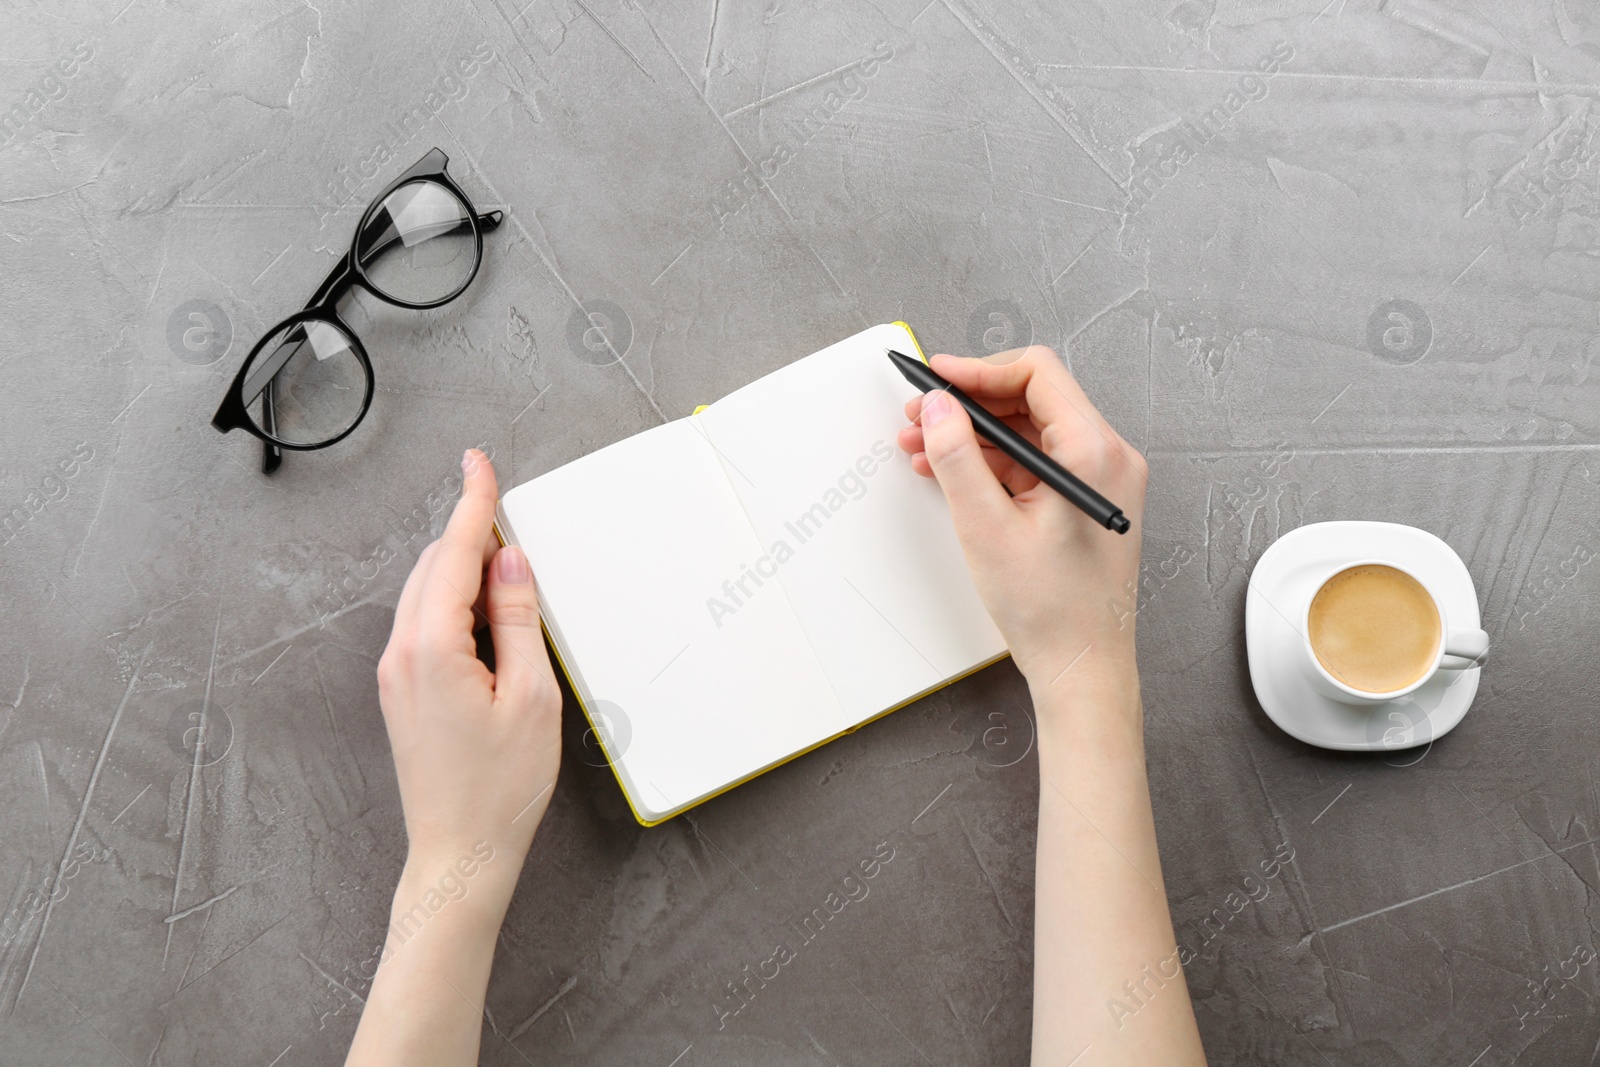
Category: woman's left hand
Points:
column 476, row 753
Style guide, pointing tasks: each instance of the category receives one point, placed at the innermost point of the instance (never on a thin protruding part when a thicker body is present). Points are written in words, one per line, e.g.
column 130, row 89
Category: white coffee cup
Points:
column 1457, row 650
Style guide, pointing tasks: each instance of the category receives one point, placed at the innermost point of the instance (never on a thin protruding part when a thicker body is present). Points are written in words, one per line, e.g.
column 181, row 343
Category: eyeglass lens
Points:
column 318, row 383
column 419, row 246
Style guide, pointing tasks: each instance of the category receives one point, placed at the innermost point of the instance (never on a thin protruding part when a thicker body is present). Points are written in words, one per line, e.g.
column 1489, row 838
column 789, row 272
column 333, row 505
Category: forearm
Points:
column 426, row 1002
column 1103, row 935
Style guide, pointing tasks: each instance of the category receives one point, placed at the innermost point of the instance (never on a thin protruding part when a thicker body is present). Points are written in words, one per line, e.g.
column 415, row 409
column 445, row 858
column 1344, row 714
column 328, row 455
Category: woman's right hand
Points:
column 1061, row 588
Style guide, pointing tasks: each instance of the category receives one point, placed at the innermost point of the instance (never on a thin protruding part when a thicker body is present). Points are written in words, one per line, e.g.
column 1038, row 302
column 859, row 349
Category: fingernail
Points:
column 936, row 406
column 511, row 566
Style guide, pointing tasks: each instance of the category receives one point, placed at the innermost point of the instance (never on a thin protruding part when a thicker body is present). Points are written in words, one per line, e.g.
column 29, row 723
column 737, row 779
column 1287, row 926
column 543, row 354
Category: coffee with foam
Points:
column 1374, row 628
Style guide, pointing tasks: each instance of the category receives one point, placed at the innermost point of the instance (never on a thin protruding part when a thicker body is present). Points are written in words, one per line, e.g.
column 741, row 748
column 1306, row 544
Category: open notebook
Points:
column 734, row 588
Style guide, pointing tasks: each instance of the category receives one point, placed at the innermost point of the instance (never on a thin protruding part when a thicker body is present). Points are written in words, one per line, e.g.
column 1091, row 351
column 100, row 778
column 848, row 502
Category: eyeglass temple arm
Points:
column 337, row 279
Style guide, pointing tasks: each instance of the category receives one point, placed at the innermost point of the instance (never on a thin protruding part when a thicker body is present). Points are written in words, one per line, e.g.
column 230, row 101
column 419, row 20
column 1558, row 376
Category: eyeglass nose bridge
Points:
column 334, row 287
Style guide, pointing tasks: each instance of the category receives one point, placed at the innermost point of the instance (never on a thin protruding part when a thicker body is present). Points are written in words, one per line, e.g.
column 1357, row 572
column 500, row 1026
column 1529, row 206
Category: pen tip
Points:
column 1119, row 523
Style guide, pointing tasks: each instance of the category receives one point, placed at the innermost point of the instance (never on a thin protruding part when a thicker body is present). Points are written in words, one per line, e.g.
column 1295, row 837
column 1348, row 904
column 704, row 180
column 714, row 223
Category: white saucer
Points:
column 1280, row 586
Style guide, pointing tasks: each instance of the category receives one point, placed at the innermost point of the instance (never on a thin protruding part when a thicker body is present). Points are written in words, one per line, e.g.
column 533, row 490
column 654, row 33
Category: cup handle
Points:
column 1467, row 648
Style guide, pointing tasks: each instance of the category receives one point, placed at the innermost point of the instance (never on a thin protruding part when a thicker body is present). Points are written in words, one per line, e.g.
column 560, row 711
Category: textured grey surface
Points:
column 204, row 163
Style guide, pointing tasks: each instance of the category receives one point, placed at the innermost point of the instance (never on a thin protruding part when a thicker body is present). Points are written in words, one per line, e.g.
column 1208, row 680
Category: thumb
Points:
column 975, row 496
column 520, row 660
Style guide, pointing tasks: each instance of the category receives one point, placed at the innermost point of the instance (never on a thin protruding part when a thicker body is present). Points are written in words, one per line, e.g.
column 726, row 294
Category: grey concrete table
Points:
column 1316, row 261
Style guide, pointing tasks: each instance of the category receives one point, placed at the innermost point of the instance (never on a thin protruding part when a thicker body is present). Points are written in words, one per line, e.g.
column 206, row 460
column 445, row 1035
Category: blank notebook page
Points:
column 627, row 543
column 873, row 566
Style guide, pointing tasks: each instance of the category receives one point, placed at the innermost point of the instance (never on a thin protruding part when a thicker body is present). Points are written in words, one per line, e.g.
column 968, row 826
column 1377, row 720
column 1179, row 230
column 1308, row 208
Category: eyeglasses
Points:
column 308, row 382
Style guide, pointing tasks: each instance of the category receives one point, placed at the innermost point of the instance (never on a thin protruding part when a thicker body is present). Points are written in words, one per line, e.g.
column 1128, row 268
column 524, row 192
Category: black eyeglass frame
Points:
column 350, row 272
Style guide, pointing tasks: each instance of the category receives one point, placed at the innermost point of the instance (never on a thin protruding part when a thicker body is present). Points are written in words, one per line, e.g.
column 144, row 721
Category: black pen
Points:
column 1019, row 448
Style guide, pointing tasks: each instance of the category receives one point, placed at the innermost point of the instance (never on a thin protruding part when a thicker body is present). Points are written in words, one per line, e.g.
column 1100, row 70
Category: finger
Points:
column 910, row 438
column 456, row 574
column 1014, row 476
column 976, row 378
column 1071, row 427
column 1020, row 423
column 977, row 502
column 405, row 611
column 480, row 607
column 520, row 661
column 998, row 405
column 1034, row 373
